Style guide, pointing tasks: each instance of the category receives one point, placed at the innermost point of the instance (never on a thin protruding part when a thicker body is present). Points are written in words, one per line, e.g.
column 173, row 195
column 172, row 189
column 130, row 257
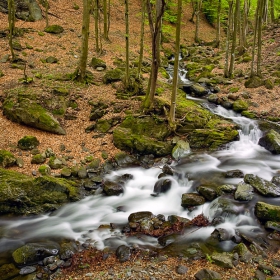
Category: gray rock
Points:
column 181, row 269
column 181, row 149
column 27, row 270
column 38, row 159
column 207, row 192
column 259, row 275
column 235, row 173
column 207, row 274
column 162, row 186
column 222, row 234
column 198, row 90
column 244, row 192
column 192, row 199
column 7, row 159
column 138, row 216
column 243, row 253
column 112, row 188
column 222, row 259
column 123, row 253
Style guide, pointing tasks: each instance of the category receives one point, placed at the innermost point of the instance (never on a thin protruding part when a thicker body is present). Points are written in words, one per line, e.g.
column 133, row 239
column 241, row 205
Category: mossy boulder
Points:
column 7, row 159
column 31, row 253
column 51, row 59
column 113, row 75
column 271, row 141
column 254, row 82
column 267, row 212
column 44, row 169
column 54, row 29
column 28, row 142
column 7, row 271
column 240, row 105
column 23, row 195
column 143, row 135
column 198, row 90
column 192, row 199
column 38, row 159
column 97, row 62
column 29, row 112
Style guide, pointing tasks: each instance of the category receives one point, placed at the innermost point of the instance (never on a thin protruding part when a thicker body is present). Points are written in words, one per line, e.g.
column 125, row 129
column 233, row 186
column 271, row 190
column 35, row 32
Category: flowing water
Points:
column 80, row 220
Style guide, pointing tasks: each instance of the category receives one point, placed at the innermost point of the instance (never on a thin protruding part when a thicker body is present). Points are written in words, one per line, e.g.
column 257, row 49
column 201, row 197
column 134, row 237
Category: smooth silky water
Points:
column 80, row 220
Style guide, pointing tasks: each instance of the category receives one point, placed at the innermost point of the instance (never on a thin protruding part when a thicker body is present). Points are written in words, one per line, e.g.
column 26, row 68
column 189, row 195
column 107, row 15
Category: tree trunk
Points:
column 105, row 13
column 155, row 28
column 81, row 73
column 11, row 19
column 126, row 45
column 234, row 36
column 198, row 8
column 255, row 39
column 218, row 33
column 272, row 14
column 260, row 21
column 141, row 51
column 230, row 12
column 96, row 25
column 176, row 67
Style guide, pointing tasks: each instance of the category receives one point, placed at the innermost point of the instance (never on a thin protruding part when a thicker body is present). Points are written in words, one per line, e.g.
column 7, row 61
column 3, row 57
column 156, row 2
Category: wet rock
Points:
column 271, row 141
column 27, row 270
column 123, row 253
column 138, row 216
column 34, row 252
column 112, row 188
column 207, row 192
column 207, row 274
column 162, row 186
column 276, row 180
column 267, row 212
column 7, row 159
column 192, row 199
column 222, row 259
column 225, row 189
column 181, row 149
column 263, row 186
column 7, row 271
column 273, row 225
column 222, row 234
column 82, row 173
column 174, row 219
column 125, row 160
column 218, row 220
column 236, row 173
column 244, row 192
column 198, row 90
column 167, row 170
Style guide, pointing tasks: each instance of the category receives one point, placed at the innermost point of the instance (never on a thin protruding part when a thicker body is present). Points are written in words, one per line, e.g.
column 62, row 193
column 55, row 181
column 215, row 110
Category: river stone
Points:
column 267, row 212
column 27, row 270
column 123, row 253
column 33, row 252
column 7, row 159
column 222, row 234
column 138, row 216
column 225, row 189
column 162, row 186
column 112, row 188
column 263, row 186
column 235, row 173
column 32, row 114
column 207, row 274
column 28, row 143
column 181, row 149
column 7, row 271
column 243, row 253
column 207, row 192
column 124, row 160
column 198, row 90
column 271, row 142
column 244, row 192
column 240, row 105
column 222, row 259
column 273, row 225
column 192, row 199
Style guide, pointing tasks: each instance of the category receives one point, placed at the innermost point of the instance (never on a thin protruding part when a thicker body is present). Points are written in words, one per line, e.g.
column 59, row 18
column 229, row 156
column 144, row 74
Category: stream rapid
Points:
column 81, row 220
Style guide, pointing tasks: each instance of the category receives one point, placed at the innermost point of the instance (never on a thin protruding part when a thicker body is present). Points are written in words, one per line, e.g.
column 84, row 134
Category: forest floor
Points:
column 66, row 48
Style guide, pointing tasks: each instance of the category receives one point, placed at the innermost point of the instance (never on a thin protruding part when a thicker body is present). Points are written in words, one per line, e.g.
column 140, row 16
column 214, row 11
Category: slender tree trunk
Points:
column 126, row 45
column 197, row 14
column 234, row 36
column 11, row 19
column 230, row 12
column 155, row 25
column 244, row 26
column 176, row 67
column 141, row 39
column 81, row 73
column 272, row 14
column 255, row 39
column 105, row 13
column 194, row 7
column 96, row 27
column 218, row 33
column 259, row 50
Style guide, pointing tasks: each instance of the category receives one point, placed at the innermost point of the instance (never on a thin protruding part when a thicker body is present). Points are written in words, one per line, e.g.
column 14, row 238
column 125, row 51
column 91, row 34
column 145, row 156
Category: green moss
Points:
column 234, row 89
column 240, row 105
column 7, row 159
column 55, row 29
column 248, row 114
column 28, row 142
column 44, row 169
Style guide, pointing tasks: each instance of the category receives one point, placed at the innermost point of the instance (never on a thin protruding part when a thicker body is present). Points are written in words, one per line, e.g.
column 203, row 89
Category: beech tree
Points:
column 143, row 12
column 96, row 26
column 155, row 23
column 11, row 19
column 197, row 16
column 106, row 13
column 45, row 4
column 126, row 45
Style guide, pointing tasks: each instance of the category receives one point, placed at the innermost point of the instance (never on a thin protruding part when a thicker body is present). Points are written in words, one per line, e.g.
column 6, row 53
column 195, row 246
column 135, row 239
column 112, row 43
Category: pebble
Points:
column 27, row 270
column 181, row 269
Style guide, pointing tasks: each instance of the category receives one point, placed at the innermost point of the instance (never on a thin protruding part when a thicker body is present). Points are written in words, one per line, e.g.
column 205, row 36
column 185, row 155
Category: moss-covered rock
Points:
column 38, row 159
column 192, row 199
column 240, row 105
column 51, row 59
column 28, row 142
column 254, row 82
column 7, row 271
column 267, row 212
column 271, row 141
column 112, row 76
column 248, row 114
column 7, row 159
column 28, row 112
column 44, row 169
column 97, row 62
column 24, row 195
column 54, row 29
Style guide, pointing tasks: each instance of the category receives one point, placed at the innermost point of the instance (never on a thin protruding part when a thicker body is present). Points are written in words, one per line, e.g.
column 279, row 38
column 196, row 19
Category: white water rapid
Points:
column 80, row 220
